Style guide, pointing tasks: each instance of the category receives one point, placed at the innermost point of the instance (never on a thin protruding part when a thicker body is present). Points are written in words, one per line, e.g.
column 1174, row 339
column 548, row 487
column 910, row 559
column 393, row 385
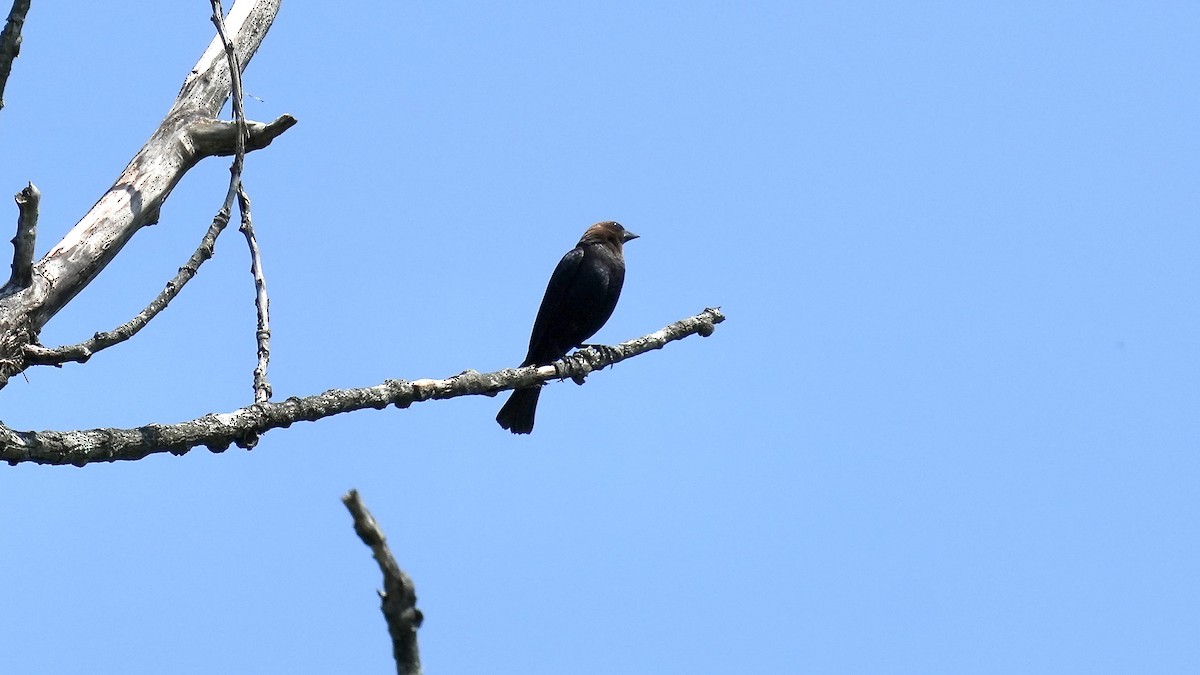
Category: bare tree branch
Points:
column 239, row 113
column 23, row 241
column 398, row 599
column 183, row 139
column 39, row 355
column 244, row 425
column 10, row 42
column 135, row 199
column 219, row 138
column 262, row 304
column 262, row 389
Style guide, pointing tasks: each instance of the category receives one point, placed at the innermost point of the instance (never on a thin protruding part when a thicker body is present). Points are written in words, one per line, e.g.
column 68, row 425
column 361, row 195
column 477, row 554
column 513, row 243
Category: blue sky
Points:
column 950, row 425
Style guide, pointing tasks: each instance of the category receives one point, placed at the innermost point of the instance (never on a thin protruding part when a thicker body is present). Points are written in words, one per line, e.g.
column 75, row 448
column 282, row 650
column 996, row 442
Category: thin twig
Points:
column 24, row 240
column 262, row 333
column 398, row 599
column 10, row 42
column 245, row 425
column 262, row 304
column 80, row 353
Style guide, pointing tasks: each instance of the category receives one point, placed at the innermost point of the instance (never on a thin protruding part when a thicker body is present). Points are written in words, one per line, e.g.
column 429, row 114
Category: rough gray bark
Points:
column 23, row 241
column 188, row 133
column 244, row 425
column 10, row 42
column 398, row 599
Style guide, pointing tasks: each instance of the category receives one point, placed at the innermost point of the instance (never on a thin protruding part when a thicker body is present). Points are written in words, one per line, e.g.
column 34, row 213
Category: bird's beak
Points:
column 628, row 236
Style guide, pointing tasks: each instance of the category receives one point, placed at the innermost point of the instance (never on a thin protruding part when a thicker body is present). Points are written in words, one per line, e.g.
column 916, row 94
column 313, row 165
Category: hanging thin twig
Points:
column 244, row 425
column 262, row 333
column 215, row 137
column 262, row 304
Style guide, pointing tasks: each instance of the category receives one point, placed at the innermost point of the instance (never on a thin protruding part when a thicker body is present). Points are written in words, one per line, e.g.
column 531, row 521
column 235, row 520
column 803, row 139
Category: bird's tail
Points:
column 517, row 414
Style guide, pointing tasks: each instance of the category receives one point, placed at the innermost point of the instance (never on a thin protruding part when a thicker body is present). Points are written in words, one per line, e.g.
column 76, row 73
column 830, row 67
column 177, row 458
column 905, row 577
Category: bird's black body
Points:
column 581, row 295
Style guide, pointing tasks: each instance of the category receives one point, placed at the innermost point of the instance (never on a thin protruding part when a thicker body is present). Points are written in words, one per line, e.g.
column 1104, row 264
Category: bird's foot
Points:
column 606, row 352
column 595, row 357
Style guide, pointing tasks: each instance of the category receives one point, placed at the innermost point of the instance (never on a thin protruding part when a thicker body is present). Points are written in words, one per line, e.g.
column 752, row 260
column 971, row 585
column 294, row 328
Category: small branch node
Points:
column 24, row 240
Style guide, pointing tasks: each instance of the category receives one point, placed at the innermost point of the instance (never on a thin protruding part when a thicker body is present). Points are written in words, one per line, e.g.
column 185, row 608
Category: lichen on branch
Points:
column 242, row 427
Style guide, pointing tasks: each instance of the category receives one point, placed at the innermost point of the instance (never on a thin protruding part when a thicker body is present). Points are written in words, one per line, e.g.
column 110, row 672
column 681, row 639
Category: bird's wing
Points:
column 557, row 292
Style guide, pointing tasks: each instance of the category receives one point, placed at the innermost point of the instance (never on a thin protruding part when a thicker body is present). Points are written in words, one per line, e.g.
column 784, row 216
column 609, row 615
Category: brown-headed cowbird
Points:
column 580, row 297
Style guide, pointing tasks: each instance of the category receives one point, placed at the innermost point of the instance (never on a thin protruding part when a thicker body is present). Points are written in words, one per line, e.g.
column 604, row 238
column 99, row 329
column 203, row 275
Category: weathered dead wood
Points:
column 188, row 133
column 23, row 241
column 10, row 41
column 398, row 599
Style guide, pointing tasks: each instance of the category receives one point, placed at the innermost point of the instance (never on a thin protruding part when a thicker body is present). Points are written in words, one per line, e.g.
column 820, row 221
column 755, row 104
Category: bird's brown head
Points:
column 608, row 232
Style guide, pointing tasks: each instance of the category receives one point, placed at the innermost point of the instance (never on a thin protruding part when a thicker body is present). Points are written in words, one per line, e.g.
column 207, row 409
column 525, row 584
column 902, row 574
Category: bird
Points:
column 581, row 295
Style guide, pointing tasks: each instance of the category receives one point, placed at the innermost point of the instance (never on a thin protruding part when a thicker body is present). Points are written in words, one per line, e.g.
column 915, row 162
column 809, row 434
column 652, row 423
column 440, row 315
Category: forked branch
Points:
column 218, row 139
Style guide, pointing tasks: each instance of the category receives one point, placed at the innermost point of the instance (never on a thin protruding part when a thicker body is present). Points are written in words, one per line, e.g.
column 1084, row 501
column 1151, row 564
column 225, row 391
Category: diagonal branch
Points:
column 218, row 137
column 23, row 241
column 80, row 353
column 244, row 425
column 10, row 42
column 398, row 599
